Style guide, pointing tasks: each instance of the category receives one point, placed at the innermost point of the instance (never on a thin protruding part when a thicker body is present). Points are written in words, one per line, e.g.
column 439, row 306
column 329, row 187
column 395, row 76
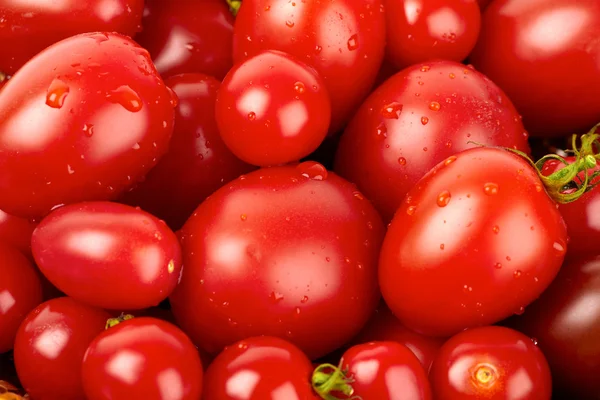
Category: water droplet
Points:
column 318, row 49
column 538, row 187
column 243, row 217
column 498, row 265
column 411, row 210
column 136, row 146
column 534, row 341
column 520, row 311
column 443, row 198
column 490, row 188
column 88, row 129
column 304, row 299
column 467, row 289
column 299, row 87
column 496, row 229
column 559, row 247
column 289, row 24
column 276, row 296
column 425, row 68
column 424, row 148
column 173, row 99
column 392, row 111
column 251, row 116
column 312, row 170
column 424, row 120
column 402, row 161
column 382, row 130
column 126, row 97
column 297, row 311
column 435, row 106
column 449, row 160
column 358, row 195
column 517, row 274
column 171, row 266
column 57, row 93
column 442, row 246
column 353, row 42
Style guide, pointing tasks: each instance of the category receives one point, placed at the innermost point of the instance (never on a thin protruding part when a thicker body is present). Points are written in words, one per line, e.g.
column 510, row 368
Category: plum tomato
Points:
column 27, row 27
column 142, row 358
column 259, row 368
column 188, row 36
column 417, row 118
column 475, row 241
column 344, row 40
column 83, row 120
column 425, row 30
column 545, row 55
column 16, row 231
column 197, row 163
column 491, row 362
column 20, row 292
column 284, row 251
column 375, row 370
column 108, row 255
column 272, row 109
column 50, row 345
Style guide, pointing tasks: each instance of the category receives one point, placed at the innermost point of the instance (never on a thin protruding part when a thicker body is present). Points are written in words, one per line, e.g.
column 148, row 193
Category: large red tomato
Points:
column 285, row 251
column 475, row 241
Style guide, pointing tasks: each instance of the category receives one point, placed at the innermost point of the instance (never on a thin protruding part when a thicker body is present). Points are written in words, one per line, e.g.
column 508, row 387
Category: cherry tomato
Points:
column 281, row 251
column 544, row 54
column 416, row 119
column 83, row 120
column 492, row 362
column 20, row 292
column 197, row 163
column 343, row 40
column 188, row 36
column 26, row 27
column 272, row 109
column 108, row 255
column 259, row 368
column 16, row 231
column 425, row 30
column 142, row 358
column 50, row 345
column 479, row 235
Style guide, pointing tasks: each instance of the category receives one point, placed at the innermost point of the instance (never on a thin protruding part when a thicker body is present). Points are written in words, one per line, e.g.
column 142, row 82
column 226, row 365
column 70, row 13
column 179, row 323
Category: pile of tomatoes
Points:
column 299, row 199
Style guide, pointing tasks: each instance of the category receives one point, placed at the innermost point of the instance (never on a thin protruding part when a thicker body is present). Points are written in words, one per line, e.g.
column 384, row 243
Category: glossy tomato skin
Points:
column 142, row 358
column 103, row 117
column 26, row 28
column 258, row 368
column 550, row 78
column 281, row 251
column 20, row 292
column 16, row 231
column 197, row 163
column 492, row 362
column 273, row 109
column 108, row 255
column 50, row 345
column 479, row 235
column 425, row 30
column 416, row 119
column 343, row 40
column 188, row 36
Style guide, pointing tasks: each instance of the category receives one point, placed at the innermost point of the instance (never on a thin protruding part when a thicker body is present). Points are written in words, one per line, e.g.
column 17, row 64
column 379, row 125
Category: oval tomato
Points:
column 108, row 255
column 83, row 120
column 479, row 236
column 279, row 252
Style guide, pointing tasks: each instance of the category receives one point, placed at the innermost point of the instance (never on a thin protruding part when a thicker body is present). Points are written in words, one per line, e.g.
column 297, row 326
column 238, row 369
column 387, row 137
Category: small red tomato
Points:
column 188, row 36
column 259, row 368
column 272, row 109
column 83, row 120
column 142, row 358
column 425, row 30
column 197, row 163
column 108, row 255
column 16, row 231
column 50, row 345
column 492, row 362
column 20, row 292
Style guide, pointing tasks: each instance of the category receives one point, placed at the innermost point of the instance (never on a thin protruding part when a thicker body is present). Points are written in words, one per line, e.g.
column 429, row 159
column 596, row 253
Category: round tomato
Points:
column 50, row 345
column 142, row 358
column 475, row 241
column 108, row 255
column 83, row 120
column 197, row 163
column 492, row 362
column 27, row 27
column 545, row 55
column 343, row 40
column 272, row 109
column 416, row 119
column 281, row 251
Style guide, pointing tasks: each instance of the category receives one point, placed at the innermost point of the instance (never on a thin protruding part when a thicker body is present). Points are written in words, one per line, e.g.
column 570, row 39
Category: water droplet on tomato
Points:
column 534, row 341
column 402, row 161
column 297, row 311
column 498, row 265
column 538, row 187
column 442, row 246
column 520, row 311
column 490, row 188
column 304, row 299
column 243, row 217
column 411, row 210
column 392, row 110
column 435, row 106
column 467, row 289
column 425, row 68
column 276, row 296
column 424, row 120
column 517, row 274
column 289, row 24
column 299, row 87
column 136, row 146
column 382, row 130
column 496, row 229
column 70, row 169
column 449, row 160
column 358, row 195
column 312, row 170
column 57, row 93
column 251, row 116
column 88, row 129
column 443, row 198
column 126, row 97
column 99, row 37
column 353, row 42
column 173, row 99
column 559, row 247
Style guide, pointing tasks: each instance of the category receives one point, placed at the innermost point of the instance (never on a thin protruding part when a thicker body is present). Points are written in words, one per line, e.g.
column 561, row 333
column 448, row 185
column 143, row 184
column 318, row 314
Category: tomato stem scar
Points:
column 115, row 321
column 234, row 6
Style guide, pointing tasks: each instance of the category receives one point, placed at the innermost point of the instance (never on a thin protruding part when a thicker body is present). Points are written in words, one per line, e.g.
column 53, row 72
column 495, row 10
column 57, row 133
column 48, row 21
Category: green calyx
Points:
column 234, row 6
column 328, row 379
column 115, row 321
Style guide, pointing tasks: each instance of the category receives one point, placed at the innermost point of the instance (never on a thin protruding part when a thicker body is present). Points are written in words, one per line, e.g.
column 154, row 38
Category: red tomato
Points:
column 188, row 36
column 50, row 345
column 418, row 118
column 492, row 362
column 197, row 163
column 546, row 56
column 259, row 368
column 142, row 358
column 279, row 252
column 425, row 30
column 83, row 120
column 27, row 27
column 479, row 236
column 343, row 40
column 20, row 292
column 16, row 231
column 108, row 255
column 272, row 109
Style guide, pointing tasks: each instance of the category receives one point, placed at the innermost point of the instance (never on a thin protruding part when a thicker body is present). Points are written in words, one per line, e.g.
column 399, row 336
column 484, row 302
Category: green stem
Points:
column 328, row 379
column 115, row 321
column 234, row 6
